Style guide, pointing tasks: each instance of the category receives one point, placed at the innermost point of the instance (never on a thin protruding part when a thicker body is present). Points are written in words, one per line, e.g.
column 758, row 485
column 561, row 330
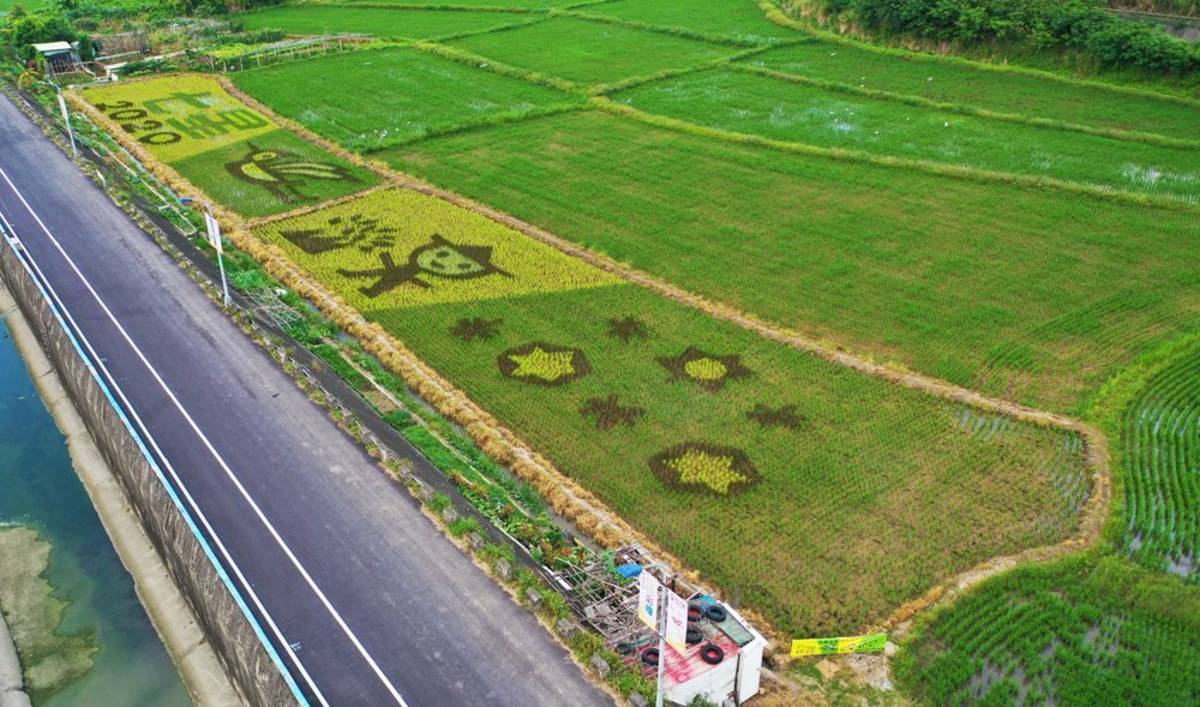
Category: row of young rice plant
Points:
column 1090, row 630
column 742, row 102
column 1160, row 448
column 235, row 155
column 383, row 22
column 965, row 84
column 1029, row 293
column 1098, row 628
column 822, row 497
column 413, row 94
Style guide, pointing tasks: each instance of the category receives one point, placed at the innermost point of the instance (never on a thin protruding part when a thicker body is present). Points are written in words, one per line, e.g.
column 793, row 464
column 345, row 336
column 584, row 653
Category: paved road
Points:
column 376, row 605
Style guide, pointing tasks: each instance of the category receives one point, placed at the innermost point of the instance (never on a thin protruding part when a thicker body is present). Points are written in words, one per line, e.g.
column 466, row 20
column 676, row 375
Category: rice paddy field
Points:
column 1024, row 236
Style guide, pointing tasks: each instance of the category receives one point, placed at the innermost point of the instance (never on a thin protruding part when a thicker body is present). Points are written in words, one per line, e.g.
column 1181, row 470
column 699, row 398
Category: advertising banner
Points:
column 676, row 621
column 647, row 612
column 872, row 643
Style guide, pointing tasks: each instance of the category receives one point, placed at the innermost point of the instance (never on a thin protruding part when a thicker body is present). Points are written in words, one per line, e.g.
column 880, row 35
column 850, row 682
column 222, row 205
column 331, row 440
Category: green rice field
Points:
column 965, row 84
column 769, row 107
column 1027, row 236
column 425, row 95
column 608, row 371
column 591, row 52
column 1062, row 291
column 741, row 21
column 388, row 23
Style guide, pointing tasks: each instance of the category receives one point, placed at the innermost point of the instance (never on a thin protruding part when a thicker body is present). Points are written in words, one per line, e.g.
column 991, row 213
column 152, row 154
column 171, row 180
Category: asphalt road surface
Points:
column 368, row 603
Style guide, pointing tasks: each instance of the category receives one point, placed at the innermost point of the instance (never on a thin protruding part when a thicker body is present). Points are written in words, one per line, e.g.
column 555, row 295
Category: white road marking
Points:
column 212, row 450
column 112, row 382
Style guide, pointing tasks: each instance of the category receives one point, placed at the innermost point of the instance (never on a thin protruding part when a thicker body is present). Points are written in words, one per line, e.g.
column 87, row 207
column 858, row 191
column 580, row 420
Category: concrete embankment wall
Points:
column 232, row 635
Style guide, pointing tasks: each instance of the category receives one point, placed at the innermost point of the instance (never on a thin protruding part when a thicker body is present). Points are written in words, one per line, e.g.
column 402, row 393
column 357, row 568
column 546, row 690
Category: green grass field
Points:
column 388, row 23
column 591, row 52
column 1020, row 292
column 760, row 105
column 737, row 19
column 1089, row 631
column 844, row 467
column 961, row 83
column 413, row 95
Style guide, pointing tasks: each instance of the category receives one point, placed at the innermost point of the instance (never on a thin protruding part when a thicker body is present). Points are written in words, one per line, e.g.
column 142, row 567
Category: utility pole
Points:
column 662, row 643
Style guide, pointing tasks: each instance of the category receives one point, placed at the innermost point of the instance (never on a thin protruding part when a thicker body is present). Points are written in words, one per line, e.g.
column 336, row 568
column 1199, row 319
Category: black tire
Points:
column 694, row 636
column 716, row 614
column 624, row 648
column 695, row 613
column 650, row 656
column 711, row 654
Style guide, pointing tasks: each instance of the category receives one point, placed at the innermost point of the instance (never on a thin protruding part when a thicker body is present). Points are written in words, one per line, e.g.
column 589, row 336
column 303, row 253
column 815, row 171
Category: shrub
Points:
column 1112, row 41
column 439, row 502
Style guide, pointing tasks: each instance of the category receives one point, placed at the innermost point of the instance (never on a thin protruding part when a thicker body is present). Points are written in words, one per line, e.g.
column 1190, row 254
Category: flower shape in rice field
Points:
column 543, row 364
column 705, row 467
column 709, row 371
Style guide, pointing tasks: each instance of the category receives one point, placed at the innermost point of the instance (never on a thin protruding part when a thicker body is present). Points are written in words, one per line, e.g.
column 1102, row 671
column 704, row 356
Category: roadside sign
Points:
column 676, row 633
column 647, row 611
column 872, row 643
column 214, row 232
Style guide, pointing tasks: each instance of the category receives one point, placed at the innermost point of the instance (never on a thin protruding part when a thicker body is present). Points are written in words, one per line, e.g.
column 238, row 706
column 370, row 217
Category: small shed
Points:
column 59, row 56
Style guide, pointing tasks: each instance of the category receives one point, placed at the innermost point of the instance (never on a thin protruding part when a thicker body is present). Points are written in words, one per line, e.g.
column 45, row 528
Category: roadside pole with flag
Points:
column 666, row 612
column 214, row 237
column 66, row 114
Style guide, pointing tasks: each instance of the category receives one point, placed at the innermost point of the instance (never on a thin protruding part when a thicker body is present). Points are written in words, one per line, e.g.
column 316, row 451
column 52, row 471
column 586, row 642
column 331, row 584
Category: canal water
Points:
column 39, row 489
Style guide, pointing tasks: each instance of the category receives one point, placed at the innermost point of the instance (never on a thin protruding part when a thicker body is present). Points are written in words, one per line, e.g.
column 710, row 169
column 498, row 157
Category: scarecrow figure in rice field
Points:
column 282, row 172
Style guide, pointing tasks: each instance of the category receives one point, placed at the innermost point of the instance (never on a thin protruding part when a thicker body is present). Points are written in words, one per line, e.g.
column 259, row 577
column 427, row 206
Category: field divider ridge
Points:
column 667, row 74
column 498, row 67
column 968, row 109
column 940, row 169
column 562, row 493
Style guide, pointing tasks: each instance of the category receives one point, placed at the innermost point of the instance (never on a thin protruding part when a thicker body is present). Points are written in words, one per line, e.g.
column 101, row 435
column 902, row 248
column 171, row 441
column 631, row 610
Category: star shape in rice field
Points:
column 709, row 371
column 701, row 466
column 476, row 328
column 628, row 328
column 543, row 364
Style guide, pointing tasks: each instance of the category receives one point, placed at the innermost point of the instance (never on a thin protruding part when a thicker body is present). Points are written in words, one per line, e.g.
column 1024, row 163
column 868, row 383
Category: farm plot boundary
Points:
column 565, row 495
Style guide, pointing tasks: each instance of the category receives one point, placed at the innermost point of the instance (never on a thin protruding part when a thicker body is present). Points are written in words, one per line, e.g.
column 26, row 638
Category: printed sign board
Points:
column 647, row 612
column 872, row 643
column 677, row 608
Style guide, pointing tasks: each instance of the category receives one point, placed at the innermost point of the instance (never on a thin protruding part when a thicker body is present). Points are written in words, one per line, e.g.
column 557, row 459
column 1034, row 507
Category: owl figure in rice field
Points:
column 282, row 172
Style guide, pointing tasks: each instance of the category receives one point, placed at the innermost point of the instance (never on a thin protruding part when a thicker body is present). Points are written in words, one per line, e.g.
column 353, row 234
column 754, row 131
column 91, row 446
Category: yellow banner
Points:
column 872, row 643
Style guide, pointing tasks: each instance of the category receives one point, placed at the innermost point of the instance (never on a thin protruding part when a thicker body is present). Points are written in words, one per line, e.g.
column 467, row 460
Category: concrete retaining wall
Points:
column 231, row 634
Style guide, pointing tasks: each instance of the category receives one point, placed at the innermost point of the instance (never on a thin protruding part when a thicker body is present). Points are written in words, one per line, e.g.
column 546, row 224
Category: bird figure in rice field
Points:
column 282, row 172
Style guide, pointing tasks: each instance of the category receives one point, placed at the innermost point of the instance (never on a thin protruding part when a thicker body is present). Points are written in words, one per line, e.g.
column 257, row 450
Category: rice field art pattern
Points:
column 236, row 155
column 775, row 474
